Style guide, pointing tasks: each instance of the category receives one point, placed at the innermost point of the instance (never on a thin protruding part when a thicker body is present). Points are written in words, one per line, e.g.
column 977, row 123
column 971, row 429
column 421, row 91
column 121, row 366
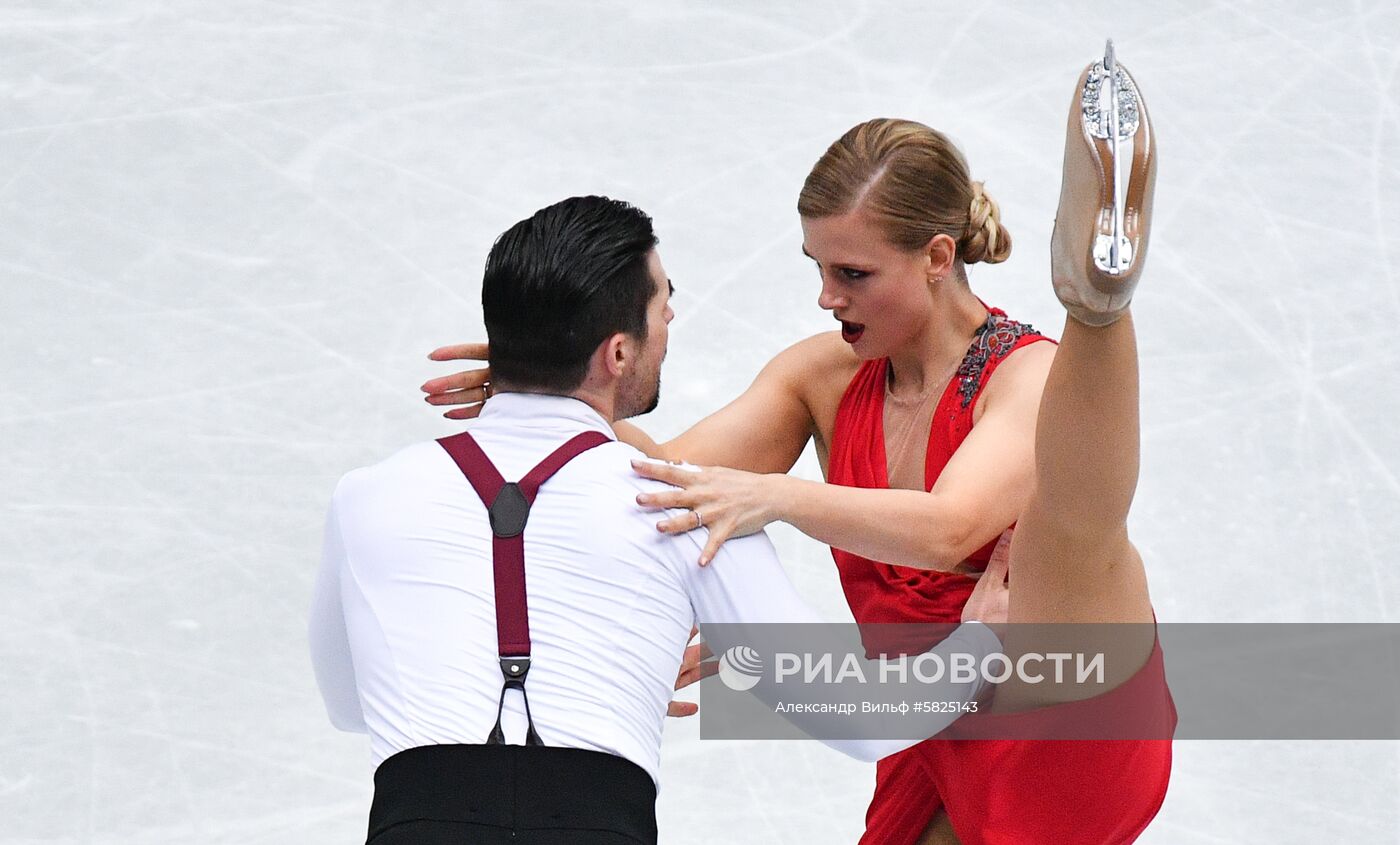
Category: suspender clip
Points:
column 515, row 669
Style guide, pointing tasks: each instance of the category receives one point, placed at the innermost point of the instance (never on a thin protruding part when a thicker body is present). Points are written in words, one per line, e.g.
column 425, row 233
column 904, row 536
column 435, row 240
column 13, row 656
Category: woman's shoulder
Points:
column 822, row 349
column 818, row 370
column 822, row 361
column 1020, row 374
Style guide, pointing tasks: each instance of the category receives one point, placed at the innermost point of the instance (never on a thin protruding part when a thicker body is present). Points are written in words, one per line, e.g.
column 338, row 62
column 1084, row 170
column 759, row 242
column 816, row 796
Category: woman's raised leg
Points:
column 1071, row 559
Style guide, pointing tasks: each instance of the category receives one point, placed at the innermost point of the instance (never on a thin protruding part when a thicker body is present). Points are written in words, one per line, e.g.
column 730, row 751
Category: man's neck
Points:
column 604, row 405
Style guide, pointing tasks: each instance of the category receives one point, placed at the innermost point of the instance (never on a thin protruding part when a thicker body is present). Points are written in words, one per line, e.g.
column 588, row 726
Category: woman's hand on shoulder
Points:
column 728, row 502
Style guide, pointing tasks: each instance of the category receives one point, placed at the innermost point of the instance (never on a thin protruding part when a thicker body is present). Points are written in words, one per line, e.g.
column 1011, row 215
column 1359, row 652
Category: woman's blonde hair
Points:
column 914, row 183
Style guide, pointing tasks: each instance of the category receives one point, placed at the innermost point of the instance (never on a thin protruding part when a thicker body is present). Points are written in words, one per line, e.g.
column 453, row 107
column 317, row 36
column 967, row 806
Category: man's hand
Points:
column 469, row 388
column 698, row 663
column 990, row 599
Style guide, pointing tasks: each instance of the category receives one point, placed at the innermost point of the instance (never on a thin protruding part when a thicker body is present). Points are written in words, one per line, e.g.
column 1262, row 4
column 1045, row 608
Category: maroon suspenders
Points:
column 508, row 504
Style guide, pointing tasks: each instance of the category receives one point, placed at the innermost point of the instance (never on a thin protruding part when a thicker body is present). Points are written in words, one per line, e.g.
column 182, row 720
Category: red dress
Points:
column 910, row 786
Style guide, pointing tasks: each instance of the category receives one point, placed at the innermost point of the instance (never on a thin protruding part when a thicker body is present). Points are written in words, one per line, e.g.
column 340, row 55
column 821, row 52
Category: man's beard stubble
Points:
column 642, row 398
column 655, row 396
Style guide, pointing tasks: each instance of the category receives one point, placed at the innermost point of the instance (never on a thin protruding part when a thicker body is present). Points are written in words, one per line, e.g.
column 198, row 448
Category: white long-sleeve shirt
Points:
column 403, row 619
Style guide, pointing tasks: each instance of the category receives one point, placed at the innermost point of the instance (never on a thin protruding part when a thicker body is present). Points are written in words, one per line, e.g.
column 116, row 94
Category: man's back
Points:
column 609, row 604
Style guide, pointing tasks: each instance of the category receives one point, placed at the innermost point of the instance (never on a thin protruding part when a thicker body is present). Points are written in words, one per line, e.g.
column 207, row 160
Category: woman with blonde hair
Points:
column 923, row 409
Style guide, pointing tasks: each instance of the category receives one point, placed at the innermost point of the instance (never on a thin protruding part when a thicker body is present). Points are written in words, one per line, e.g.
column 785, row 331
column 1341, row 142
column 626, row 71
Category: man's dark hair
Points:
column 560, row 283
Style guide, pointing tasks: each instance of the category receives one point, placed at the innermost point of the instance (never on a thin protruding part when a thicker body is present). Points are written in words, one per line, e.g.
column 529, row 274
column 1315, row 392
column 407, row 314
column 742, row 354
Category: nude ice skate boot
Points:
column 1099, row 243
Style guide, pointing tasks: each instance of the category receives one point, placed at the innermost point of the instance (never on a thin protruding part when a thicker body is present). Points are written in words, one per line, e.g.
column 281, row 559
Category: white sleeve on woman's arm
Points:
column 330, row 645
column 746, row 584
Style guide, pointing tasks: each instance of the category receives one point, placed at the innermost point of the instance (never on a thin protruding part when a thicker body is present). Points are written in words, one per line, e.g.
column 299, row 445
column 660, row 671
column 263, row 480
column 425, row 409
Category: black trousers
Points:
column 522, row 795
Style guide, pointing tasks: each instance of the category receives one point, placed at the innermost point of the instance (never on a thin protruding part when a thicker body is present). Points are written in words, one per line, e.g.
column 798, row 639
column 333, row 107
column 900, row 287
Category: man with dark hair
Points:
column 422, row 568
column 559, row 284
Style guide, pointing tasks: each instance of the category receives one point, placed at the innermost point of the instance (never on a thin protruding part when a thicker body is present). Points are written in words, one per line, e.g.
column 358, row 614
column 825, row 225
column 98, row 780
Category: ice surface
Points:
column 230, row 232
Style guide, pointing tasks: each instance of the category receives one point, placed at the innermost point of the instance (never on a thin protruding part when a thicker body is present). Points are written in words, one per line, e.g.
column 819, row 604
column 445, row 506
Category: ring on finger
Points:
column 699, row 520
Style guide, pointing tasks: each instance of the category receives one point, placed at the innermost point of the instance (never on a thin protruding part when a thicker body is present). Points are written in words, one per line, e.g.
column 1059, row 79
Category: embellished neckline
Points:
column 995, row 339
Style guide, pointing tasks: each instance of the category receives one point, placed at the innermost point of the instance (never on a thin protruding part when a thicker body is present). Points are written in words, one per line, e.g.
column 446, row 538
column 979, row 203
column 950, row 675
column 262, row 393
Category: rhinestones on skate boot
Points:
column 1097, row 117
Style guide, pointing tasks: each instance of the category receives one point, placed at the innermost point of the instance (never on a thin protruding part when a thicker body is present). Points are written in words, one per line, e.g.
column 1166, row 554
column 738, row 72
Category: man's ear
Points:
column 617, row 354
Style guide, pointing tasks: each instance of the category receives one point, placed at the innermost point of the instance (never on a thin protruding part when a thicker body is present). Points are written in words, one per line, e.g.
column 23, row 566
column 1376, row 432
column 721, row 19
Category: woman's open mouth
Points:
column 851, row 332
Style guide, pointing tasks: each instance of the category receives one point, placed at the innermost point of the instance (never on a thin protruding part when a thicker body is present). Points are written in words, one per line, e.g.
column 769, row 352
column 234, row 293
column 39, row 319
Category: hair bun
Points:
column 986, row 239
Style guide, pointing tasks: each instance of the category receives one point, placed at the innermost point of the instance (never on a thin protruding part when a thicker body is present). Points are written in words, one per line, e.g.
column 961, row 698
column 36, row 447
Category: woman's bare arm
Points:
column 981, row 491
column 765, row 429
